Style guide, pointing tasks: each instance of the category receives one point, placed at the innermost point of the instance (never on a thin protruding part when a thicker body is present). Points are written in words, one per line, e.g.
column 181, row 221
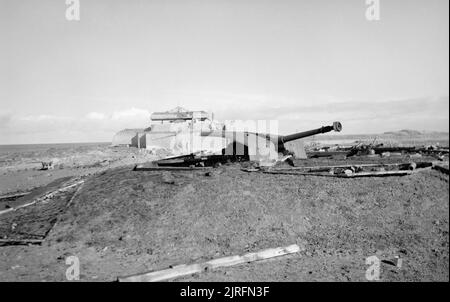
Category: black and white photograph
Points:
column 224, row 146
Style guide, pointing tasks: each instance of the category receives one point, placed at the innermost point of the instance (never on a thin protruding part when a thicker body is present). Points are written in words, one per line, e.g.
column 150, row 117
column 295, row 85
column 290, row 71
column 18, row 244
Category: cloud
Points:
column 120, row 119
column 94, row 126
column 95, row 116
column 356, row 117
column 5, row 119
column 131, row 113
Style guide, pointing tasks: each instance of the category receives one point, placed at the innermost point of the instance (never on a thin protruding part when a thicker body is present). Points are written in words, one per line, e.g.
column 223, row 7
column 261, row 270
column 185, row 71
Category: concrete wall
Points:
column 125, row 137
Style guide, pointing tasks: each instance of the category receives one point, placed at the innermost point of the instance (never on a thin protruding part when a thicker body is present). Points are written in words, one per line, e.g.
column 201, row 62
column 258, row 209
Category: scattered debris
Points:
column 374, row 150
column 47, row 166
column 443, row 167
column 168, row 178
column 397, row 261
column 350, row 171
column 288, row 160
column 4, row 242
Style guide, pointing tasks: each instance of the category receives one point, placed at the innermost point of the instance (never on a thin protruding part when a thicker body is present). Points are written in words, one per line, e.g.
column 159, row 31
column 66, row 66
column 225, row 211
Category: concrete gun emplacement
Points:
column 195, row 133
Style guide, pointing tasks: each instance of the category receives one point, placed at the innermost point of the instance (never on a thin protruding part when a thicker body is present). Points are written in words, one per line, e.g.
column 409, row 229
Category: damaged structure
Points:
column 187, row 133
column 167, row 130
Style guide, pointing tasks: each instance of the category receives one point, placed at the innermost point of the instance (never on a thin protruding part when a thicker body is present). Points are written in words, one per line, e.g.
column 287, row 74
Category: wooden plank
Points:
column 137, row 168
column 299, row 173
column 6, row 211
column 317, row 154
column 17, row 195
column 376, row 174
column 4, row 242
column 176, row 271
column 48, row 195
column 184, row 270
column 40, row 191
column 354, row 175
column 441, row 168
column 67, row 206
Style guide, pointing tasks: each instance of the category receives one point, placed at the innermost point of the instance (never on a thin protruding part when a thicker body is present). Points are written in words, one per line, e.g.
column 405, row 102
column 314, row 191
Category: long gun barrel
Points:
column 286, row 138
column 280, row 139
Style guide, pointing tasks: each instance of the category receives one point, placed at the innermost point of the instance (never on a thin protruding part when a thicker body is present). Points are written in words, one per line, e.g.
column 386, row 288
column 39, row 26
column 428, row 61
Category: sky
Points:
column 302, row 63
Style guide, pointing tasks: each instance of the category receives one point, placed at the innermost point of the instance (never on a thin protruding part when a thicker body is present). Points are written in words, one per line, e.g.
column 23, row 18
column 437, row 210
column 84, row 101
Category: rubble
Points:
column 47, row 166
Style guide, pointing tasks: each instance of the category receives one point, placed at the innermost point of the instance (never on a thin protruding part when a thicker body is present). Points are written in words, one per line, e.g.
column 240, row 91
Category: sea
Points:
column 4, row 149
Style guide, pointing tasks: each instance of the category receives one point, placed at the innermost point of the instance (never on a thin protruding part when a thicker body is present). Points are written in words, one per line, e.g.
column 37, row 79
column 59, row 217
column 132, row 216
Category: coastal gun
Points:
column 261, row 146
column 266, row 149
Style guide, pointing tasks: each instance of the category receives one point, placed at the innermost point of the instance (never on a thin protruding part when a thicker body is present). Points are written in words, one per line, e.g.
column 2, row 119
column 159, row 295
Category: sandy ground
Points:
column 126, row 222
column 20, row 171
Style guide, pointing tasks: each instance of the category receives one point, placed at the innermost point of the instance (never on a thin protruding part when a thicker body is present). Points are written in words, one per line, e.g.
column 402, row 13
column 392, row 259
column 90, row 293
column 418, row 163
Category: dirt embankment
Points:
column 125, row 222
